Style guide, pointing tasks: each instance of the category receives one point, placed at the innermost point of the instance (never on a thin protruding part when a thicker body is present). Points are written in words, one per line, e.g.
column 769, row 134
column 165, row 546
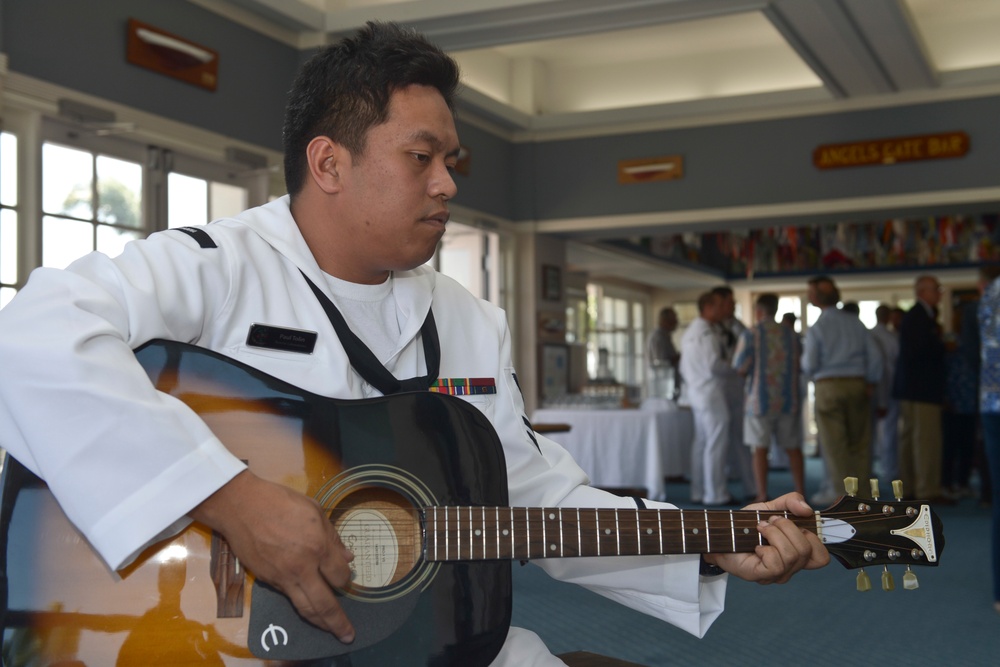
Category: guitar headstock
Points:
column 862, row 532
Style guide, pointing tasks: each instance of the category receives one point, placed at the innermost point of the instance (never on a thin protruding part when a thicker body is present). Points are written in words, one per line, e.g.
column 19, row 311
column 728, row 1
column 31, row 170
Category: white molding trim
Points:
column 28, row 93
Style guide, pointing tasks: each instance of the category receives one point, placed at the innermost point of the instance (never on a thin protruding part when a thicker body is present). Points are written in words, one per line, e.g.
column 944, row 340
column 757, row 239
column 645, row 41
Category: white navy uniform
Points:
column 127, row 463
column 704, row 367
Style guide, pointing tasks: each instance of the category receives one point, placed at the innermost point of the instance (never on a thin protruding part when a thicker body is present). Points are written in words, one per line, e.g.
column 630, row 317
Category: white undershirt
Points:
column 370, row 312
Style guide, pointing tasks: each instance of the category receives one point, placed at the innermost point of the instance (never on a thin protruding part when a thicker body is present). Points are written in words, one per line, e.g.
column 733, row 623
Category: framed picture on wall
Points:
column 551, row 283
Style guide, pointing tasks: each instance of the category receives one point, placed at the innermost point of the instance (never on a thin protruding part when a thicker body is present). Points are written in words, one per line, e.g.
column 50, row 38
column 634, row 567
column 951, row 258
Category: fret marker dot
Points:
column 695, row 531
column 552, row 547
column 506, row 532
column 649, row 531
column 607, row 531
column 551, row 516
column 478, row 532
column 746, row 530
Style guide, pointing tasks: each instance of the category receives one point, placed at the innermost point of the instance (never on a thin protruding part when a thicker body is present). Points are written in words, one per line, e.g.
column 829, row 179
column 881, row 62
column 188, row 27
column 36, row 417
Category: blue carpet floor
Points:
column 819, row 618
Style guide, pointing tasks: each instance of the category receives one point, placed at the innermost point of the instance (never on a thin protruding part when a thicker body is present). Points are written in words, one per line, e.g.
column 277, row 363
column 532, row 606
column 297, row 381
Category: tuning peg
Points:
column 910, row 580
column 887, row 582
column 874, row 486
column 897, row 489
column 864, row 581
column 851, row 485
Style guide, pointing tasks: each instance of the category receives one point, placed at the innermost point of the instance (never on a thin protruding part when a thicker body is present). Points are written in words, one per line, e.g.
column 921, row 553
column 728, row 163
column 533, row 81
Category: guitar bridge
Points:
column 229, row 579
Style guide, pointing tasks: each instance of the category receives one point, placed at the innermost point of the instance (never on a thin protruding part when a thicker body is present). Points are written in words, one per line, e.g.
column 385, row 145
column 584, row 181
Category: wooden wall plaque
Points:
column 644, row 170
column 173, row 56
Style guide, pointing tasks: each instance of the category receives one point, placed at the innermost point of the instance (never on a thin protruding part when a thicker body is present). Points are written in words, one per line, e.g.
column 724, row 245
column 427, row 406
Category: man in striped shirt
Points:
column 768, row 354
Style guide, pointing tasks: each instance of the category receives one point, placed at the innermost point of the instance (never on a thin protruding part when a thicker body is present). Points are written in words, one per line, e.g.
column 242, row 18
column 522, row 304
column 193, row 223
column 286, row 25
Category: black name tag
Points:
column 281, row 338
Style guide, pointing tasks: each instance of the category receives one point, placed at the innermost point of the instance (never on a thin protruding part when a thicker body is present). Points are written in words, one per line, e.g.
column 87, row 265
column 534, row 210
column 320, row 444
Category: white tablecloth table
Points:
column 626, row 447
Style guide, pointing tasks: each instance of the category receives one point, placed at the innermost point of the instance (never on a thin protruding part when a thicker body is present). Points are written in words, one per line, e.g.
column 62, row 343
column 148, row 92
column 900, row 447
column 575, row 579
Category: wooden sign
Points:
column 171, row 55
column 648, row 169
column 891, row 151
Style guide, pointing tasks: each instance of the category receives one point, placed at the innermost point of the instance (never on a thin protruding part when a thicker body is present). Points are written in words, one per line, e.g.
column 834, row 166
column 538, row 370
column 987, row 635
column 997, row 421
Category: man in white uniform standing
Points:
column 704, row 369
column 370, row 145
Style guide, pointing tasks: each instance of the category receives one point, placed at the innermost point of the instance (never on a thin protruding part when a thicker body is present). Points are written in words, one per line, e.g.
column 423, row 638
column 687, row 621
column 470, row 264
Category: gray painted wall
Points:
column 81, row 45
column 759, row 163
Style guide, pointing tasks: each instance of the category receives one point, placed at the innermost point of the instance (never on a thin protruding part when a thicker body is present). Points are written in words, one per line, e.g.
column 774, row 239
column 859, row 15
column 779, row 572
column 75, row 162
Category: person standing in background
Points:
column 919, row 388
column 960, row 414
column 768, row 354
column 989, row 401
column 842, row 360
column 662, row 357
column 729, row 330
column 704, row 367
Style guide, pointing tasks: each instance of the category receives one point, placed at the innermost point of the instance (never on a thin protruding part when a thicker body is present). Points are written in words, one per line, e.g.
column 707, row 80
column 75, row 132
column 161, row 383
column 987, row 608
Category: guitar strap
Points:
column 367, row 364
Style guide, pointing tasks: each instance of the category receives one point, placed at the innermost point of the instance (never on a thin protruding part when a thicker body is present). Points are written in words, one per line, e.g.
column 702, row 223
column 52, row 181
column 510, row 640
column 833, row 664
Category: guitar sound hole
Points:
column 382, row 530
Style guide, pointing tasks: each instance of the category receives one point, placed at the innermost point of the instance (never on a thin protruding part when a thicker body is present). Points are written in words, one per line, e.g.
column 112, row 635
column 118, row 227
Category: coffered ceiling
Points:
column 542, row 67
column 539, row 69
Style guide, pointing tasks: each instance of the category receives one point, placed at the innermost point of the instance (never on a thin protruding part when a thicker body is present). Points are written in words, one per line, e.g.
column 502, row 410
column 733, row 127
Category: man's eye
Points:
column 420, row 157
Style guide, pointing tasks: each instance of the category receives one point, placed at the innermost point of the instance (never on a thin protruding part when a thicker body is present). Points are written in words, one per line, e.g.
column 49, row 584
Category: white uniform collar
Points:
column 273, row 221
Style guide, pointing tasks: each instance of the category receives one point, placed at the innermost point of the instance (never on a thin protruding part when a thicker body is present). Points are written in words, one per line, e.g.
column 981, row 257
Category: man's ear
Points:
column 324, row 157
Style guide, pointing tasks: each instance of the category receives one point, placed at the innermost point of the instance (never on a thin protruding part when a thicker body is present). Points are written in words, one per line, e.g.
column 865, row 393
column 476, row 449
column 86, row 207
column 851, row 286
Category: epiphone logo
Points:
column 273, row 635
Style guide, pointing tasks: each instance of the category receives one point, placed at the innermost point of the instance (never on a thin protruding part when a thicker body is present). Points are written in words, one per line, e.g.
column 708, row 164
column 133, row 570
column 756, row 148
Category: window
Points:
column 89, row 202
column 198, row 201
column 8, row 217
column 618, row 321
column 471, row 256
column 99, row 192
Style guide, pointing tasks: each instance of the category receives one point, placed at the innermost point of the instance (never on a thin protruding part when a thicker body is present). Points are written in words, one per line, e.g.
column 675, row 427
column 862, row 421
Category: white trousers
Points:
column 710, row 453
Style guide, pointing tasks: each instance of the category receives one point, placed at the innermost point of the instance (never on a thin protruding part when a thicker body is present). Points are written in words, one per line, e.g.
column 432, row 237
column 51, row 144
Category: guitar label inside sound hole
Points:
column 370, row 536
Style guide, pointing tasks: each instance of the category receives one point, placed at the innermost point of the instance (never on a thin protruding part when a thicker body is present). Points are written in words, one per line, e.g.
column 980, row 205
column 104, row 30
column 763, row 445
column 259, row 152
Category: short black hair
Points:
column 768, row 302
column 344, row 90
column 705, row 300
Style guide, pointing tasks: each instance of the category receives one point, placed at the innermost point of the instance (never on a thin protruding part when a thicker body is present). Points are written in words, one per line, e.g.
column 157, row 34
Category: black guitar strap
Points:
column 367, row 364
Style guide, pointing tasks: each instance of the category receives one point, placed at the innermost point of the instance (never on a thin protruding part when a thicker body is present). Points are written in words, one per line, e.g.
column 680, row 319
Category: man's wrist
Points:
column 707, row 569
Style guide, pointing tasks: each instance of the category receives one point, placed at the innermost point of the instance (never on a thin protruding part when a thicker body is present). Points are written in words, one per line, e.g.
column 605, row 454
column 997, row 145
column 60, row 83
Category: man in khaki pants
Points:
column 841, row 358
column 919, row 388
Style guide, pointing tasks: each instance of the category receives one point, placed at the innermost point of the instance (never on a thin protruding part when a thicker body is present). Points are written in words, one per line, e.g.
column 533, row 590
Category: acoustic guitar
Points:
column 415, row 484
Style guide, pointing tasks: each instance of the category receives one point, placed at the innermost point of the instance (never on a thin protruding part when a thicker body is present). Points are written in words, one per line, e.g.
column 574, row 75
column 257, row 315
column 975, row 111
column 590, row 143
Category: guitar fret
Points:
column 545, row 540
column 659, row 522
column 684, row 547
column 732, row 527
column 708, row 535
column 579, row 534
column 484, row 533
column 497, row 512
column 527, row 523
column 618, row 534
column 638, row 534
column 513, row 552
column 562, row 542
column 597, row 530
column 760, row 537
column 447, row 535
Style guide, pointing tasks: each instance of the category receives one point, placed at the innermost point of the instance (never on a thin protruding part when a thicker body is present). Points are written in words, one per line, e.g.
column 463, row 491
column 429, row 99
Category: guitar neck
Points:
column 519, row 533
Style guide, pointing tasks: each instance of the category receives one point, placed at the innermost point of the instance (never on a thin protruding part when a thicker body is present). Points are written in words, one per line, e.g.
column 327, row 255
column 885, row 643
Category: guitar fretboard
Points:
column 520, row 533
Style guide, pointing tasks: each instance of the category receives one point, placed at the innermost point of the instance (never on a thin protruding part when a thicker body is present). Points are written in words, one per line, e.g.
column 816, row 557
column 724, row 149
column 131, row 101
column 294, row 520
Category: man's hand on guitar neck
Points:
column 285, row 539
column 789, row 548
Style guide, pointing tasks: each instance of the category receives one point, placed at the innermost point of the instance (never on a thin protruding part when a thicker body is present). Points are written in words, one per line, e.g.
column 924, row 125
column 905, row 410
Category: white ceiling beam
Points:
column 826, row 37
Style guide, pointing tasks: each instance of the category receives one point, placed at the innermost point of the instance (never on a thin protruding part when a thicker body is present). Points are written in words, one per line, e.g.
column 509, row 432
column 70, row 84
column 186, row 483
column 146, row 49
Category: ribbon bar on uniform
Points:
column 464, row 386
